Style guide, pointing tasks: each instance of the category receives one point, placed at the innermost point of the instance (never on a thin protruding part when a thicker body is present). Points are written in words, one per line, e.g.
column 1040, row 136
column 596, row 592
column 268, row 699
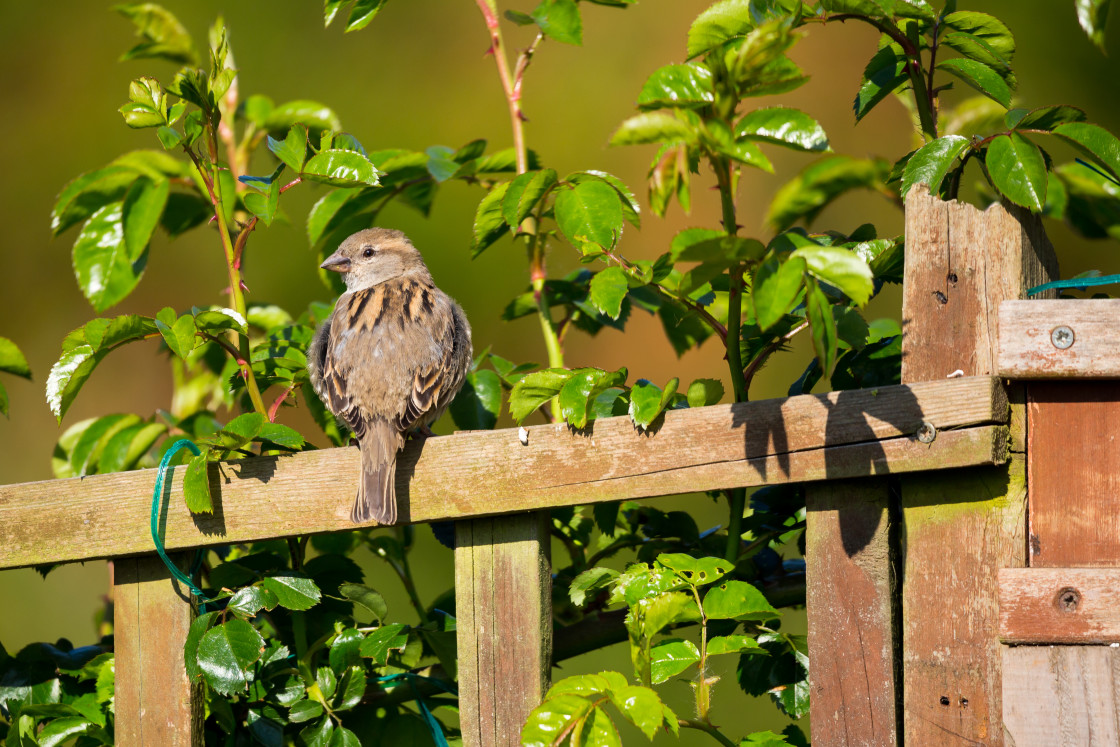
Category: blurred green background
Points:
column 418, row 76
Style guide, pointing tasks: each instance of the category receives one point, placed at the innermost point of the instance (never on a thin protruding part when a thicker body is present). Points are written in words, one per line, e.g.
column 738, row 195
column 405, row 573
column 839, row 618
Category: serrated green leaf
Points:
column 552, row 717
column 819, row 184
column 722, row 21
column 105, row 271
column 292, row 150
column 590, row 213
column 304, row 710
column 479, row 402
column 12, row 359
column 311, row 113
column 345, row 650
column 559, row 20
column 822, row 325
column 293, row 590
column 780, row 125
column 250, row 600
column 932, row 161
column 841, row 268
column 631, row 209
column 1018, row 170
column 975, row 48
column 704, row 392
column 670, row 657
column 578, row 393
column 870, row 8
column 365, row 597
column 884, row 74
column 732, row 644
column 687, row 85
column 379, row 643
column 647, row 401
column 652, row 127
column 641, row 706
column 362, row 12
column 227, row 653
column 695, row 571
column 590, row 580
column 161, row 34
column 983, row 26
column 1049, row 117
column 737, row 600
column 523, row 194
column 88, row 193
column 607, row 289
column 351, row 688
column 181, row 336
column 489, row 223
column 88, row 449
column 340, row 168
column 534, row 389
column 1095, row 141
column 1093, row 15
column 776, row 288
column 196, row 485
column 980, row 76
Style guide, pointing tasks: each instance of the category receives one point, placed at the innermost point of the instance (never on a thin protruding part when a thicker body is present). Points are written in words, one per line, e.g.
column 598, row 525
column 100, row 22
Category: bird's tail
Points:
column 377, row 491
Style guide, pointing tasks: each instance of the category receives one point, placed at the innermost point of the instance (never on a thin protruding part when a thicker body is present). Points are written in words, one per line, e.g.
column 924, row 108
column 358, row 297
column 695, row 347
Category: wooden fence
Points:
column 920, row 583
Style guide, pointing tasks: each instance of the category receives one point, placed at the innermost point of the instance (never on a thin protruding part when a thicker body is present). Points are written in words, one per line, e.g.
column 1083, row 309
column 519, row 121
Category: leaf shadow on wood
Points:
column 220, row 474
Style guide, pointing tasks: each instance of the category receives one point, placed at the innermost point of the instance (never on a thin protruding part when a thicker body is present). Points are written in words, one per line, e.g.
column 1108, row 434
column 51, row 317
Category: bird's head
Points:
column 375, row 255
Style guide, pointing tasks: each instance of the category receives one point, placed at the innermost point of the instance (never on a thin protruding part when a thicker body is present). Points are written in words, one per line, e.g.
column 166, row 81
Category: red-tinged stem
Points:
column 279, row 401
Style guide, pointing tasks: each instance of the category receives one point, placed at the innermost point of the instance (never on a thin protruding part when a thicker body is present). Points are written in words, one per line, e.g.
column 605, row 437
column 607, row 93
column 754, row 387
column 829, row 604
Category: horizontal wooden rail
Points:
column 798, row 439
column 1059, row 605
column 1058, row 339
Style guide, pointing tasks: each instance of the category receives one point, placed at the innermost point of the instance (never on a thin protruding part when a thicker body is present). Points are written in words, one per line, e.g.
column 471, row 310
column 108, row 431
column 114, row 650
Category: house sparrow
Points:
column 389, row 359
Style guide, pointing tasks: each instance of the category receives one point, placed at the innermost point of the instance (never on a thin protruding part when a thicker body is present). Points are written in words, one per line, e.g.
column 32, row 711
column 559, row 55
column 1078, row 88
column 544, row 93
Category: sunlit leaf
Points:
column 980, row 76
column 1093, row 15
column 1018, row 170
column 932, row 161
column 227, row 653
column 687, row 85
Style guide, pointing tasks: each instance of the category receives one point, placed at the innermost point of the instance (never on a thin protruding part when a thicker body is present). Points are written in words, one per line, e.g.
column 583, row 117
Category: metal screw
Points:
column 1068, row 599
column 1062, row 337
column 926, row 432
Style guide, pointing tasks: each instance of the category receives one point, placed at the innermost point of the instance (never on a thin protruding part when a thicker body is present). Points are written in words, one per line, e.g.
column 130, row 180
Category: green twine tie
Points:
column 183, row 578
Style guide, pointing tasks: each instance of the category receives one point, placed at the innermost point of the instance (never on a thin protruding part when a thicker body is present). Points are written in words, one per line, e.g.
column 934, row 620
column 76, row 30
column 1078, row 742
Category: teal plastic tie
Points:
column 183, row 578
column 1079, row 283
column 425, row 714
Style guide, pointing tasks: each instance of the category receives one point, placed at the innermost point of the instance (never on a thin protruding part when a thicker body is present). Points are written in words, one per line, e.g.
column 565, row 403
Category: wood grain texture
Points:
column 503, row 602
column 1059, row 605
column 1027, row 351
column 961, row 263
column 1061, row 696
column 1074, row 473
column 155, row 702
column 849, row 587
column 799, row 439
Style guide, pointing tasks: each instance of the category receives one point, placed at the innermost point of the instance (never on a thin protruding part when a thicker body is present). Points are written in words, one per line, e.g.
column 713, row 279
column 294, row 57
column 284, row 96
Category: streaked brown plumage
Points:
column 390, row 358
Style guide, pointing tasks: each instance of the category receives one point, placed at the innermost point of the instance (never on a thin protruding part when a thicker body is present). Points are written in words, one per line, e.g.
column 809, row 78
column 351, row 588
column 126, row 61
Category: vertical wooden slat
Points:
column 503, row 601
column 959, row 530
column 850, row 582
column 156, row 703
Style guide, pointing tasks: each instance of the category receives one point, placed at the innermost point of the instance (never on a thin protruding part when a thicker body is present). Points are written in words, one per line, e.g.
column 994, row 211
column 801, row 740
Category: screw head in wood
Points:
column 1067, row 599
column 926, row 432
column 1062, row 337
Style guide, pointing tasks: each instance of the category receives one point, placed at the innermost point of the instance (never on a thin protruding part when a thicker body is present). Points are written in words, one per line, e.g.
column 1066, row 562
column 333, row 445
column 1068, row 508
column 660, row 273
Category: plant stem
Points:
column 708, row 729
column 736, row 505
column 703, row 693
column 725, row 180
column 512, row 91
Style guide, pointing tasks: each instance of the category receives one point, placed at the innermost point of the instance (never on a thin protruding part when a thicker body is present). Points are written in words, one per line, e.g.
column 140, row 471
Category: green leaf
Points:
column 631, row 209
column 88, row 193
column 732, row 644
column 345, row 650
column 840, row 267
column 292, row 150
column 737, row 600
column 641, row 706
column 723, row 21
column 559, row 20
column 884, row 74
column 103, row 266
column 670, row 657
column 61, row 731
column 362, row 12
column 196, row 486
column 823, row 327
column 1095, row 141
column 293, row 590
column 162, row 35
column 819, row 184
column 340, row 168
column 764, row 739
column 776, row 288
column 704, row 393
column 590, row 580
column 985, row 27
column 710, row 245
column 932, row 161
column 975, row 48
column 980, row 76
column 304, row 710
column 281, row 435
column 534, row 389
column 311, row 113
column 227, row 653
column 870, row 8
column 647, row 400
column 489, row 223
column 1049, row 117
column 250, row 600
column 1093, row 15
column 553, row 717
column 1018, row 170
column 590, row 213
column 608, row 288
column 479, row 402
column 12, row 359
column 87, row 450
column 351, row 688
column 790, row 128
column 523, row 194
column 180, row 335
column 578, row 393
column 695, row 571
column 380, row 642
column 652, row 127
column 687, row 85
column 367, row 598
column 143, row 206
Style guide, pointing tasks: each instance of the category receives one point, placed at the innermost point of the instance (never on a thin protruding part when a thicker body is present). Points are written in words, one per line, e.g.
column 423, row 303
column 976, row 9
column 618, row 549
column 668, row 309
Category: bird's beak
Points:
column 337, row 263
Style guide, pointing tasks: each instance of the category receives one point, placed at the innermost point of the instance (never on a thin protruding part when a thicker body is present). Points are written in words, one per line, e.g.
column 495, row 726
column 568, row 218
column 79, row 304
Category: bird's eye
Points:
column 368, row 252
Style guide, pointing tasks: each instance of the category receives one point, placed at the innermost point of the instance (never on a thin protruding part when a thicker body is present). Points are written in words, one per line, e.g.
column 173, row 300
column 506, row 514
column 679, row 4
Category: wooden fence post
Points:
column 960, row 529
column 156, row 703
column 503, row 603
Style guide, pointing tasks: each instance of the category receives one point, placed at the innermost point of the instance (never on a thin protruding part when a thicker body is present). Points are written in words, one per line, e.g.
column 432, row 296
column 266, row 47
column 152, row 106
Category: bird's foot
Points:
column 421, row 432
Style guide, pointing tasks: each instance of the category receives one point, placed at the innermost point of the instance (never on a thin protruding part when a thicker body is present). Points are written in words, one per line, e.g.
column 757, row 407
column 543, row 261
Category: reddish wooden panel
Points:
column 156, row 704
column 1073, row 436
column 1059, row 605
column 849, row 582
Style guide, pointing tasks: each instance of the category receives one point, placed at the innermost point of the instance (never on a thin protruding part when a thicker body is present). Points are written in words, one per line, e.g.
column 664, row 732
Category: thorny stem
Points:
column 703, row 692
column 725, row 181
column 753, row 366
column 275, row 407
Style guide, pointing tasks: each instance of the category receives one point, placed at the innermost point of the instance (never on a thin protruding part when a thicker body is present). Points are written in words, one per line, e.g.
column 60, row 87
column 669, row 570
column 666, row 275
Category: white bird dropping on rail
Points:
column 523, row 435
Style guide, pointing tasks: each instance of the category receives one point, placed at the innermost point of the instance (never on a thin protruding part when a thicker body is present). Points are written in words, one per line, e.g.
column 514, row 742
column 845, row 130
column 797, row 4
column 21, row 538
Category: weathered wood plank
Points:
column 961, row 263
column 1061, row 696
column 1059, row 605
column 1074, row 473
column 850, row 581
column 1032, row 331
column 503, row 600
column 799, row 439
column 156, row 703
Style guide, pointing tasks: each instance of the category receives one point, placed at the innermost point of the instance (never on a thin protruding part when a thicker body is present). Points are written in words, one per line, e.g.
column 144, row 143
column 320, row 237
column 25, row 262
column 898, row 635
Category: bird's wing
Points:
column 334, row 373
column 436, row 382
